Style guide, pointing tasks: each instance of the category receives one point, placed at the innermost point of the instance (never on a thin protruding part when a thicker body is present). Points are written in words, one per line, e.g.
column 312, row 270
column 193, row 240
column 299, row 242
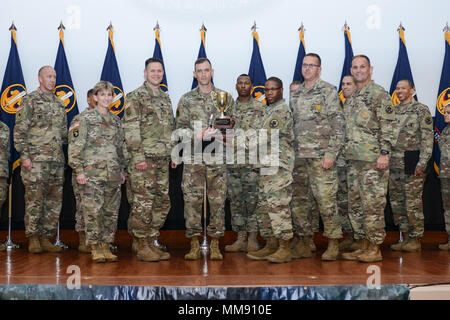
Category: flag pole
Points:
column 205, row 245
column 9, row 244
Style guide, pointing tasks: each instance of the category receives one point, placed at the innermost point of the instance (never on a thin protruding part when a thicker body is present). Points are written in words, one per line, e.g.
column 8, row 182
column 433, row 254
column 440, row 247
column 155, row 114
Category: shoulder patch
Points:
column 428, row 120
column 389, row 109
column 274, row 123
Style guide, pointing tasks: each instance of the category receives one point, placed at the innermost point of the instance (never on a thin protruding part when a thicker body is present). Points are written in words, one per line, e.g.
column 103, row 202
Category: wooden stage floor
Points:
column 430, row 266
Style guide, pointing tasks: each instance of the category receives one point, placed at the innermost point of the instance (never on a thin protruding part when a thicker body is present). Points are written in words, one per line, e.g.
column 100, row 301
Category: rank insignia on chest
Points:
column 319, row 107
column 389, row 110
column 274, row 123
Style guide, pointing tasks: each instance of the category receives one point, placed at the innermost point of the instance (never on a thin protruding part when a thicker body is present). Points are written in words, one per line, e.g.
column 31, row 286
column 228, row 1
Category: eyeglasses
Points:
column 305, row 65
column 271, row 89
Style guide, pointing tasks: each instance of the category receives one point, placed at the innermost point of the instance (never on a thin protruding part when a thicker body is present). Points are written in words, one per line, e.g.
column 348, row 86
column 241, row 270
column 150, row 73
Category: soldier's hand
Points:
column 418, row 172
column 383, row 162
column 327, row 163
column 123, row 177
column 81, row 178
column 27, row 164
column 141, row 166
column 173, row 164
column 207, row 133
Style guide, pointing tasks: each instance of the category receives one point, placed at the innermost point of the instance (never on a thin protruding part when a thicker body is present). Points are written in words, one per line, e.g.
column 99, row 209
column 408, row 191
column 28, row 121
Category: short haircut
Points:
column 352, row 77
column 245, row 75
column 296, row 83
column 42, row 69
column 362, row 56
column 411, row 85
column 315, row 55
column 202, row 60
column 90, row 92
column 150, row 60
column 276, row 80
column 103, row 85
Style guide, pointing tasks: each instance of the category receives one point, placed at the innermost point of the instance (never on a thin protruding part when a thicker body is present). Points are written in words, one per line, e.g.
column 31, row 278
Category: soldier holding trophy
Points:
column 204, row 168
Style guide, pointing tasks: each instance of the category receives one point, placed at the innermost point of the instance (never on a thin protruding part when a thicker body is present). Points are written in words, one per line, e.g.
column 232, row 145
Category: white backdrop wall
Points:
column 228, row 42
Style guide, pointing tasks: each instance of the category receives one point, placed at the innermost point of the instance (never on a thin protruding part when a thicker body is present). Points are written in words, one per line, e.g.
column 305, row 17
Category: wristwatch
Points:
column 384, row 152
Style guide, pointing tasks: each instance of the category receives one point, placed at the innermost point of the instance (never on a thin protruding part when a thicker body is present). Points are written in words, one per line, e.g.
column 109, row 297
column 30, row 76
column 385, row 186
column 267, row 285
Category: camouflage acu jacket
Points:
column 95, row 146
column 318, row 121
column 444, row 146
column 415, row 127
column 41, row 127
column 370, row 123
column 4, row 150
column 148, row 124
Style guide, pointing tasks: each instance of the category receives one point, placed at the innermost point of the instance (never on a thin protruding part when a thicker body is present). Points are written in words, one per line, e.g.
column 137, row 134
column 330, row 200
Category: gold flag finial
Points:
column 302, row 28
column 446, row 28
column 400, row 27
column 254, row 27
column 110, row 27
column 345, row 27
column 203, row 27
column 61, row 26
column 13, row 27
column 157, row 26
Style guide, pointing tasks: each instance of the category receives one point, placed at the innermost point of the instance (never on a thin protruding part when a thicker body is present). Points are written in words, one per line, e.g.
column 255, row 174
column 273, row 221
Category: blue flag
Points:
column 298, row 76
column 64, row 87
column 347, row 60
column 402, row 69
column 256, row 71
column 158, row 54
column 111, row 73
column 201, row 53
column 442, row 101
column 12, row 91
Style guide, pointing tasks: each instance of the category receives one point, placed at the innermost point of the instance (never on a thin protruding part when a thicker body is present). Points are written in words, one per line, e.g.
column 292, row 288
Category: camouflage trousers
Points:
column 313, row 183
column 100, row 203
column 79, row 222
column 193, row 183
column 150, row 203
column 243, row 194
column 43, row 197
column 342, row 199
column 405, row 195
column 445, row 191
column 367, row 189
column 273, row 211
column 3, row 191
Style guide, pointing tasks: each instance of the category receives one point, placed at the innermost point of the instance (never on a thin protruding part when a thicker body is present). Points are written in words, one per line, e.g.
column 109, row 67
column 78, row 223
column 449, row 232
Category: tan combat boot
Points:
column 445, row 246
column 97, row 254
column 34, row 246
column 332, row 252
column 109, row 256
column 347, row 243
column 145, row 252
column 135, row 245
column 82, row 247
column 413, row 245
column 399, row 245
column 163, row 256
column 195, row 252
column 283, row 254
column 214, row 250
column 270, row 247
column 252, row 243
column 372, row 254
column 239, row 245
column 355, row 254
column 47, row 246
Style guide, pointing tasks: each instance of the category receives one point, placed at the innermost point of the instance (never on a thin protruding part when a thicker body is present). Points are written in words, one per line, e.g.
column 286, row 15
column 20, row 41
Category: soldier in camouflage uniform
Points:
column 4, row 167
column 243, row 178
column 79, row 222
column 348, row 87
column 39, row 134
column 148, row 124
column 275, row 182
column 444, row 174
column 96, row 157
column 405, row 188
column 194, row 111
column 370, row 134
column 319, row 135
